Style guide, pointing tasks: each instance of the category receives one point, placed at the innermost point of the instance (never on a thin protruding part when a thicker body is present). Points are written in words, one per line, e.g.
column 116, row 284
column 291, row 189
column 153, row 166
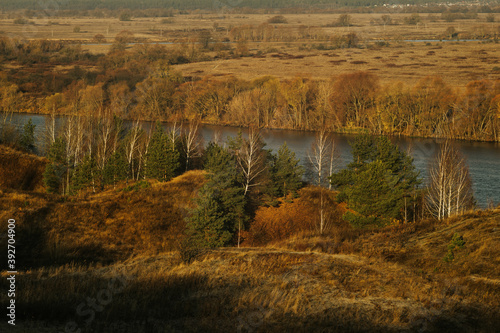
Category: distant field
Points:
column 457, row 62
column 367, row 26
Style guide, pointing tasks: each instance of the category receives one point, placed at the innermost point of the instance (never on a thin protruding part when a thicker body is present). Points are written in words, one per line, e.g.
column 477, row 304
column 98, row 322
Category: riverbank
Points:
column 483, row 157
column 403, row 278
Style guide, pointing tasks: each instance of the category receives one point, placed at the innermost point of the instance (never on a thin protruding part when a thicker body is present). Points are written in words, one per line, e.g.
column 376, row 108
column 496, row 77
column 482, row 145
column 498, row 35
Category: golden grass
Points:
column 286, row 289
column 458, row 63
column 121, row 240
column 21, row 171
column 367, row 25
column 100, row 227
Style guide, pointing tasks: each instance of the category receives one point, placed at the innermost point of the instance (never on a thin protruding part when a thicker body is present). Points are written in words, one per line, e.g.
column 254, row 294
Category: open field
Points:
column 303, row 45
column 367, row 26
column 457, row 63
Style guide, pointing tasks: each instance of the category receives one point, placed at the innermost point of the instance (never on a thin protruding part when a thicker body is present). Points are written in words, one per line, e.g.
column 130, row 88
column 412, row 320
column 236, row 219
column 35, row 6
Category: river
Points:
column 483, row 157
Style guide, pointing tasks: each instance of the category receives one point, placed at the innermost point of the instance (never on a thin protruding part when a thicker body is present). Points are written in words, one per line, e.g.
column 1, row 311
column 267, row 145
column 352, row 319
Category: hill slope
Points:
column 279, row 289
column 116, row 248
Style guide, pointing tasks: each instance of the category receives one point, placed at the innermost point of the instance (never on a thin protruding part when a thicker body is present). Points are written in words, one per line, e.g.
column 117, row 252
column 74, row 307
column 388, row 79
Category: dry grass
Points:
column 278, row 289
column 457, row 62
column 144, row 217
column 21, row 171
column 367, row 25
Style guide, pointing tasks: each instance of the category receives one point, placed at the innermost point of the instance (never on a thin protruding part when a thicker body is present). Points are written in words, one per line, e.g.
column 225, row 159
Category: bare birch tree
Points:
column 69, row 135
column 142, row 150
column 174, row 135
column 105, row 128
column 192, row 142
column 251, row 159
column 132, row 146
column 323, row 158
column 450, row 185
column 50, row 129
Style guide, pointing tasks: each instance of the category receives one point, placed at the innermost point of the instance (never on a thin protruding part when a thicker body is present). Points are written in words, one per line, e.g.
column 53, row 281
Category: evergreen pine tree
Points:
column 56, row 169
column 162, row 159
column 221, row 203
column 286, row 172
column 84, row 174
column 27, row 141
column 377, row 183
column 116, row 168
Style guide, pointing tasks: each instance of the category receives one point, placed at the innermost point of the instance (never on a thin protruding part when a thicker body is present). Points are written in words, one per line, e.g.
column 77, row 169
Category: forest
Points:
column 76, row 6
column 139, row 83
column 251, row 194
column 127, row 220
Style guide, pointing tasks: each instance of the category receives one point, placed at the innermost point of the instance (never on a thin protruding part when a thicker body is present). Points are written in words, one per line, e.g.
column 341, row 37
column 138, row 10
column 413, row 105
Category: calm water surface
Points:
column 483, row 158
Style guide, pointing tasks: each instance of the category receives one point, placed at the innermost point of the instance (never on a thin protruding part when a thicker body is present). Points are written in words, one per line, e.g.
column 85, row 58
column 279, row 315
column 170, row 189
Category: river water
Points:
column 483, row 157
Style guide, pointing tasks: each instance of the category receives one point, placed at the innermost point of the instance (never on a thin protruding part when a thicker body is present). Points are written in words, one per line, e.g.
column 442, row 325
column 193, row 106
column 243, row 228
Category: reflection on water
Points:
column 483, row 157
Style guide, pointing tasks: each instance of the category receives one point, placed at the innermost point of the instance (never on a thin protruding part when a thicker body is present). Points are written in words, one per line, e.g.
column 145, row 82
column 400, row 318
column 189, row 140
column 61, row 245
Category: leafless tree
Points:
column 143, row 151
column 323, row 158
column 450, row 185
column 251, row 159
column 132, row 145
column 105, row 129
column 174, row 135
column 50, row 129
column 192, row 142
column 69, row 135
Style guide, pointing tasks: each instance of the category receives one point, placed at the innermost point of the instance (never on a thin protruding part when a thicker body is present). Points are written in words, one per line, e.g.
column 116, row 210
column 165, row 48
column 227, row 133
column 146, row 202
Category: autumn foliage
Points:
column 293, row 216
column 20, row 171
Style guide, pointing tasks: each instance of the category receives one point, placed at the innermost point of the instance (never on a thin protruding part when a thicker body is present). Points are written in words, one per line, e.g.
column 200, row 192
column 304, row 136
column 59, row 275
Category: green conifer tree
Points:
column 286, row 172
column 221, row 203
column 116, row 168
column 27, row 141
column 162, row 159
column 56, row 169
column 84, row 174
column 379, row 184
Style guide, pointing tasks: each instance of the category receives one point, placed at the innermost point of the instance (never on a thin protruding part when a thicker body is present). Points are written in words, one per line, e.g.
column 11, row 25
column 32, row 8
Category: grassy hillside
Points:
column 106, row 262
column 279, row 289
column 143, row 217
column 20, row 171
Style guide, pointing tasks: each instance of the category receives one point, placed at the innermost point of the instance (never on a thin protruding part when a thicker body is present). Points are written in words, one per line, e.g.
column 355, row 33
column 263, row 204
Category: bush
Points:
column 190, row 250
column 457, row 242
column 296, row 216
column 277, row 19
column 21, row 20
column 414, row 19
column 125, row 17
column 99, row 38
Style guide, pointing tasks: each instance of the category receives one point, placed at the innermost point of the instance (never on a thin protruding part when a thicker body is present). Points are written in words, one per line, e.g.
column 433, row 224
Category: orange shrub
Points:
column 294, row 216
column 276, row 223
column 21, row 171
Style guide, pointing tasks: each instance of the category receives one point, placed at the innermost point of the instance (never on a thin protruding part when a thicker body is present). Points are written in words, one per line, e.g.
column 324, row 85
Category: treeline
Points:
column 251, row 194
column 354, row 102
column 140, row 84
column 297, row 5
